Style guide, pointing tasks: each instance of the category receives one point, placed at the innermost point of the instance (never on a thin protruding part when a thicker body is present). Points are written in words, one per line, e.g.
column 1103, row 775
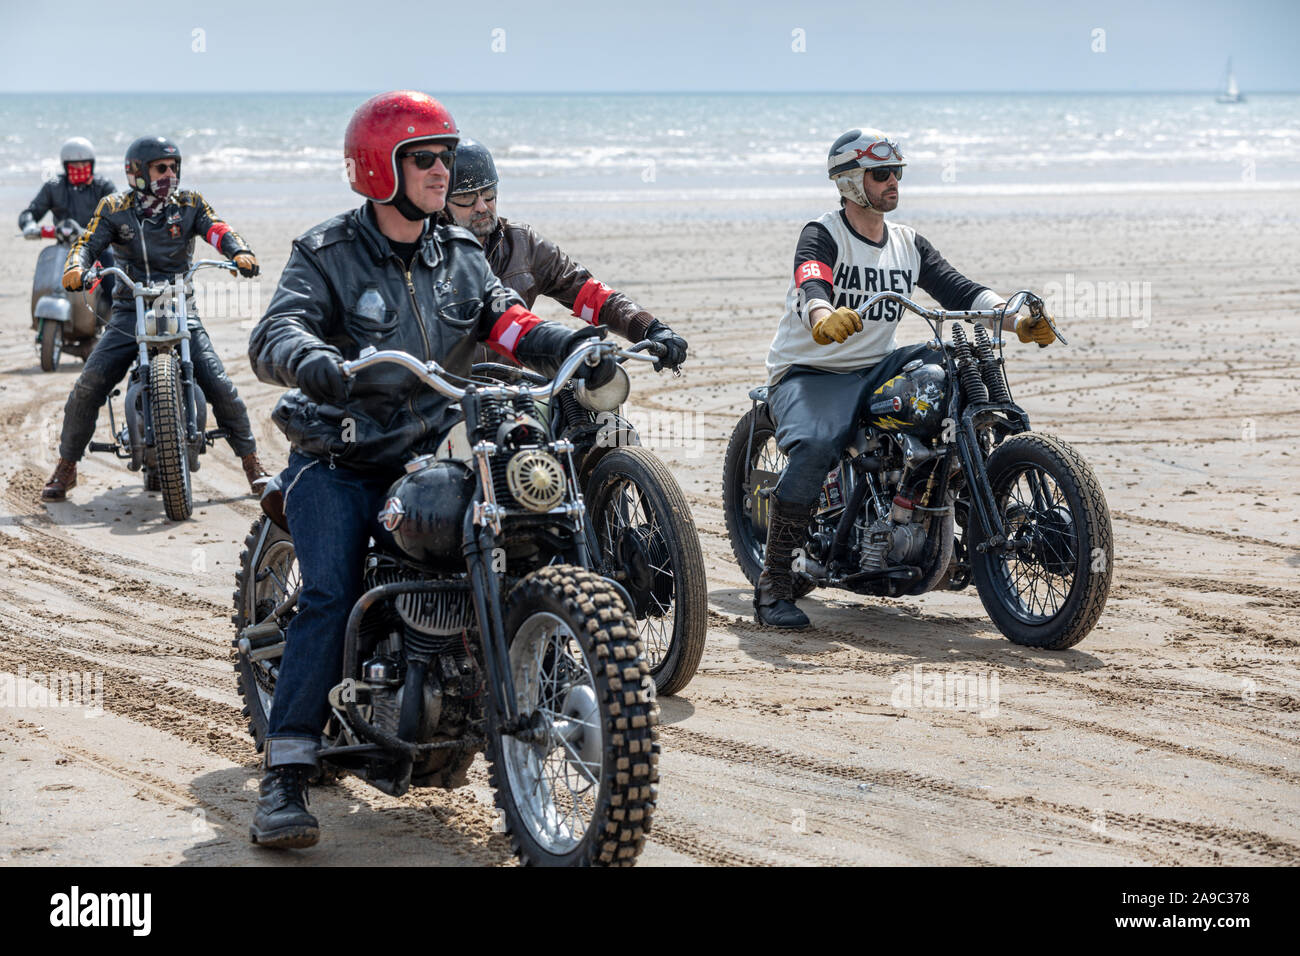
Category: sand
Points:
column 1169, row 736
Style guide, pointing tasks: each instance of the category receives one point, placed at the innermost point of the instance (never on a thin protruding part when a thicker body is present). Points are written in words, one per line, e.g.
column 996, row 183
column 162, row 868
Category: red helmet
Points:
column 383, row 124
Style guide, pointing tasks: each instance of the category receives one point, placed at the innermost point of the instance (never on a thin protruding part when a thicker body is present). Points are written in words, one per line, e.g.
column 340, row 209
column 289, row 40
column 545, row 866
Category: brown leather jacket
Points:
column 534, row 266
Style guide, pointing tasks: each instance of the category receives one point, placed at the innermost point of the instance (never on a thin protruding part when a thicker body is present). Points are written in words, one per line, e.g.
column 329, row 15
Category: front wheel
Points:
column 648, row 543
column 51, row 345
column 1050, row 591
column 166, row 408
column 578, row 788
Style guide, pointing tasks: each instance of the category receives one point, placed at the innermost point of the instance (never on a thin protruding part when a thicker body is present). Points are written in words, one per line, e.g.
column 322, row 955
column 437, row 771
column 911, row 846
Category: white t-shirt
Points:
column 835, row 266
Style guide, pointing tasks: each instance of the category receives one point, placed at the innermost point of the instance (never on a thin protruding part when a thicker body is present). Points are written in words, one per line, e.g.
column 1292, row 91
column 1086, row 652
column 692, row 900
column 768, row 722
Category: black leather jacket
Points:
column 66, row 201
column 156, row 249
column 344, row 289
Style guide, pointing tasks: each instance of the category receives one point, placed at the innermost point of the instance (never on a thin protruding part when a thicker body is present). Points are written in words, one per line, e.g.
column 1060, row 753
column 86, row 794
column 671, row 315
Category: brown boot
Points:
column 61, row 482
column 257, row 475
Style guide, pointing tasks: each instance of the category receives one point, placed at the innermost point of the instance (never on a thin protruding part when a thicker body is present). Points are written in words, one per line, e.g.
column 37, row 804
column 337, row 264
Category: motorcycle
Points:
column 64, row 322
column 481, row 628
column 165, row 412
column 645, row 535
column 944, row 484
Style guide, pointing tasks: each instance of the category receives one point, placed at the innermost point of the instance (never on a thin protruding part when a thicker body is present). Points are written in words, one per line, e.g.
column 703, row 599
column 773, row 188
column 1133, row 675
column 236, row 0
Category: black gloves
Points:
column 674, row 343
column 596, row 375
column 321, row 379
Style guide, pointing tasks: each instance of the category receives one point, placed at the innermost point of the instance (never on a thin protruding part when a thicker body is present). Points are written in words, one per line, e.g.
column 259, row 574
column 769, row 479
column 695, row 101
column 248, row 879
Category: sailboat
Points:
column 1230, row 92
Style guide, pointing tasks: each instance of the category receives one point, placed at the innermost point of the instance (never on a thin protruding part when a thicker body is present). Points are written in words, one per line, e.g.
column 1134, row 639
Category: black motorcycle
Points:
column 482, row 627
column 645, row 536
column 166, row 414
column 943, row 484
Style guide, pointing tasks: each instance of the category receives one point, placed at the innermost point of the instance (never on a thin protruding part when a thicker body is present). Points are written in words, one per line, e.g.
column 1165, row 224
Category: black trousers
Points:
column 817, row 414
column 111, row 359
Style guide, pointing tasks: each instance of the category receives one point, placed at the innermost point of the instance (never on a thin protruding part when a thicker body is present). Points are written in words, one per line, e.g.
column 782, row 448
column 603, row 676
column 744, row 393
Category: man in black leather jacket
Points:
column 151, row 227
column 382, row 275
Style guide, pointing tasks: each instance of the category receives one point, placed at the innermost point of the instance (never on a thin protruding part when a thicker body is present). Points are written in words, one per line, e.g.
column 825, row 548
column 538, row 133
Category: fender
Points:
column 54, row 308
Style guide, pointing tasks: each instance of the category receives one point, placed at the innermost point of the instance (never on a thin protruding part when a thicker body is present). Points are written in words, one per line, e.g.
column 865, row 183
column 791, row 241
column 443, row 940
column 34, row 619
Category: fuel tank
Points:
column 911, row 402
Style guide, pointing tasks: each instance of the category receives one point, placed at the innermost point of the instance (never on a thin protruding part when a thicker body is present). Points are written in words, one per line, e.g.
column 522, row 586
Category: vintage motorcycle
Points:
column 64, row 322
column 165, row 411
column 943, row 484
column 482, row 626
column 645, row 535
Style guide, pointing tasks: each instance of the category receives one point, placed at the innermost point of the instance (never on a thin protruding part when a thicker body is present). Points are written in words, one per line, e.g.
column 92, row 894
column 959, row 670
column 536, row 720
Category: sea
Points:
column 679, row 151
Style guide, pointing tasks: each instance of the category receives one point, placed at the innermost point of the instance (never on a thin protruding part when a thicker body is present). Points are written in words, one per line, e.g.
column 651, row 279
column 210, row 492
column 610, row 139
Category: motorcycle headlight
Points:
column 606, row 398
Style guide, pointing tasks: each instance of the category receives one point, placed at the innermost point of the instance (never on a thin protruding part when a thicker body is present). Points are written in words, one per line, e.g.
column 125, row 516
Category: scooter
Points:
column 63, row 322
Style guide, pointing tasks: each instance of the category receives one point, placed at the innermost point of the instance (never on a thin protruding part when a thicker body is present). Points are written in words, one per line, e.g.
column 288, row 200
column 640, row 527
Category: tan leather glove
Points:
column 246, row 263
column 1030, row 329
column 72, row 279
column 837, row 326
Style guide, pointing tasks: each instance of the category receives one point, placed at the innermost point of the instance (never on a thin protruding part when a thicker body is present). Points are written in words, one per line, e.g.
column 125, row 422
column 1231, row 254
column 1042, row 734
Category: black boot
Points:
column 281, row 820
column 787, row 529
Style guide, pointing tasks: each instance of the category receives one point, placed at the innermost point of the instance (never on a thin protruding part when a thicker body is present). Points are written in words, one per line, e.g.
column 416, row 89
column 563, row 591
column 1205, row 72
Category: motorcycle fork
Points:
column 187, row 390
column 480, row 542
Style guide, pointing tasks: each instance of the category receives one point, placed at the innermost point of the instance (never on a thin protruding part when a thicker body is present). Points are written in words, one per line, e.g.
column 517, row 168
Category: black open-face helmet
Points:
column 141, row 153
column 475, row 169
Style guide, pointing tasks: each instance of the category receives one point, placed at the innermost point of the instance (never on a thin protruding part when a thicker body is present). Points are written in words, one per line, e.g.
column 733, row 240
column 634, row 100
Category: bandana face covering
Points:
column 79, row 173
column 151, row 203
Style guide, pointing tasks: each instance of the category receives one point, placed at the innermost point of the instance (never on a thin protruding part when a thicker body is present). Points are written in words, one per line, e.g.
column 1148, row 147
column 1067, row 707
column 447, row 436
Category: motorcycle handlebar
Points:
column 98, row 272
column 431, row 373
column 1014, row 304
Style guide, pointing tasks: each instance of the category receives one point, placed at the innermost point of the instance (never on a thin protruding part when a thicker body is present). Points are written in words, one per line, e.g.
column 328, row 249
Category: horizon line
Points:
column 285, row 92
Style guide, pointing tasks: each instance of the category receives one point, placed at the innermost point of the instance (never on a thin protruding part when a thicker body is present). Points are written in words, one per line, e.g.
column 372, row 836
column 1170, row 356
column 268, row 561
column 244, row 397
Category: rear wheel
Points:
column 1050, row 591
column 649, row 544
column 167, row 411
column 748, row 465
column 580, row 790
column 51, row 345
column 268, row 575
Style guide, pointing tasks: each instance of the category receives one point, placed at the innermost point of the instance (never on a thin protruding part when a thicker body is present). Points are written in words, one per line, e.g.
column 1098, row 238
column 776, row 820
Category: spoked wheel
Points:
column 268, row 575
column 1049, row 591
column 751, row 465
column 167, row 411
column 578, row 787
column 648, row 543
column 51, row 345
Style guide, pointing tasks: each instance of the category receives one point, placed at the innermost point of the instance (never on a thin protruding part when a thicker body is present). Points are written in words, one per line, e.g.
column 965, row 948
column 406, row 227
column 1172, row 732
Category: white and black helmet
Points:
column 77, row 150
column 854, row 151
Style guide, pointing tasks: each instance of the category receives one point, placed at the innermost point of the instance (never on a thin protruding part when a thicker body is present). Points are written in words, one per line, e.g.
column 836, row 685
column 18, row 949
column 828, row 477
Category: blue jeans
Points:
column 331, row 511
column 817, row 414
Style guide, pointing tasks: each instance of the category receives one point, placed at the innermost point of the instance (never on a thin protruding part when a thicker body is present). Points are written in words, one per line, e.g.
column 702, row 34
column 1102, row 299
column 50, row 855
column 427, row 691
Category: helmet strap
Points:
column 402, row 203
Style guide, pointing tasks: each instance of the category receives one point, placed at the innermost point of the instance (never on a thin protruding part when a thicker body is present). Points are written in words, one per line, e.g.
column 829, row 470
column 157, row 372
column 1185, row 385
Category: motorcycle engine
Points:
column 892, row 540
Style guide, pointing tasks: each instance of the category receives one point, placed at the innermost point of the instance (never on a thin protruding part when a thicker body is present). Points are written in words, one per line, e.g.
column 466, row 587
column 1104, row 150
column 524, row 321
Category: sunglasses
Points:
column 164, row 167
column 425, row 158
column 881, row 174
column 470, row 200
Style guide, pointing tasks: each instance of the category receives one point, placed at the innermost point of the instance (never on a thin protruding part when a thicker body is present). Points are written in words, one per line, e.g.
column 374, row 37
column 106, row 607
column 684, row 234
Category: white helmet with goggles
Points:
column 856, row 150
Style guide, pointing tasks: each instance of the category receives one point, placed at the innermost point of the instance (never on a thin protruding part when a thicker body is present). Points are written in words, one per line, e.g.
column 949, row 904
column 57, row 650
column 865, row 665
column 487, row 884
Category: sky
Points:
column 609, row 46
